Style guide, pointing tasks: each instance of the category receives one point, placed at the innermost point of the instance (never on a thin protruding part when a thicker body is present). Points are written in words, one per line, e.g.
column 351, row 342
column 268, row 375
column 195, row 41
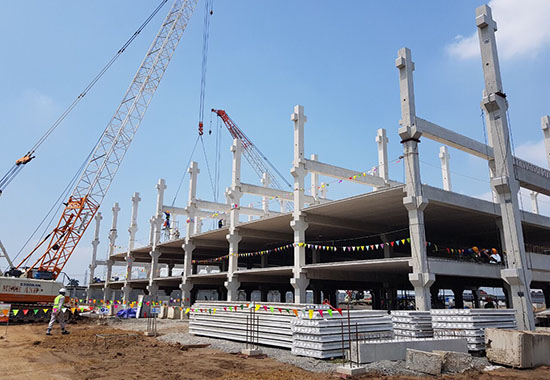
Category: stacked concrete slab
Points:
column 471, row 323
column 321, row 336
column 227, row 323
column 412, row 324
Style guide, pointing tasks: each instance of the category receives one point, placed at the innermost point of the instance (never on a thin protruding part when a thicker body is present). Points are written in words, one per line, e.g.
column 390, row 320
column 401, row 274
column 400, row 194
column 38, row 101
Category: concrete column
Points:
column 382, row 143
column 263, row 261
column 251, row 217
column 517, row 275
column 263, row 293
column 315, row 256
column 126, row 290
column 152, row 288
column 93, row 263
column 315, row 181
column 414, row 201
column 534, row 202
column 323, row 191
column 151, row 230
column 475, row 296
column 299, row 280
column 458, row 293
column 546, row 292
column 186, row 285
column 112, row 244
column 388, row 249
column 545, row 125
column 265, row 200
column 283, row 204
column 234, row 195
column 445, row 157
column 198, row 225
column 233, row 284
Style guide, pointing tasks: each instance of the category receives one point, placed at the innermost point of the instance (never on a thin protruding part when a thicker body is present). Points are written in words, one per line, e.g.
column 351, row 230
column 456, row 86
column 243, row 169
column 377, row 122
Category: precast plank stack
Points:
column 471, row 323
column 412, row 324
column 322, row 337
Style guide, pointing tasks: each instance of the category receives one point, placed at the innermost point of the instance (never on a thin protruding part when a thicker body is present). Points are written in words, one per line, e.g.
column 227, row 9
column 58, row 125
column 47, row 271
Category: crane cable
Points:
column 208, row 12
column 16, row 168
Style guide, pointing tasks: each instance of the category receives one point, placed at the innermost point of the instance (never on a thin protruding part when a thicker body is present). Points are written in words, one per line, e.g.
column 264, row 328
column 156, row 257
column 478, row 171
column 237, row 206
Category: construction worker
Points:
column 57, row 313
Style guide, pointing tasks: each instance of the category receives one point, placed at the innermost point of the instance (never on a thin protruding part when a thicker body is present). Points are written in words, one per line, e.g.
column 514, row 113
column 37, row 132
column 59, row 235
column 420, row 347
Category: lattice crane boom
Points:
column 259, row 162
column 105, row 160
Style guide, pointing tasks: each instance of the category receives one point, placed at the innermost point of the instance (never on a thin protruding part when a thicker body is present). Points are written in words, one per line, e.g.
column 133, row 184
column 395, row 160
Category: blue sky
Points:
column 335, row 58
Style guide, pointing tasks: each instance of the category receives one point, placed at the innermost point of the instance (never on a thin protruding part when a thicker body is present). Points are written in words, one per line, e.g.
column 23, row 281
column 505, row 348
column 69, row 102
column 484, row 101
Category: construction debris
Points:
column 424, row 362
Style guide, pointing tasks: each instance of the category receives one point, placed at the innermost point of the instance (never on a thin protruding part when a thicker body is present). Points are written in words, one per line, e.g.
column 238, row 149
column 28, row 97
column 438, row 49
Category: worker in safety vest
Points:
column 57, row 313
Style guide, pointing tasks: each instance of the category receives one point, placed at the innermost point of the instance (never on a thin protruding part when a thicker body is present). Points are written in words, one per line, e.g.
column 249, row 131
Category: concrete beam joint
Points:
column 422, row 280
column 501, row 184
column 513, row 276
column 410, row 132
column 415, row 203
column 299, row 225
column 484, row 17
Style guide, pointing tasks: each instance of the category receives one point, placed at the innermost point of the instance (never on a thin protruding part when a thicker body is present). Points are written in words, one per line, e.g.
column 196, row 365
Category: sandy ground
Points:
column 27, row 353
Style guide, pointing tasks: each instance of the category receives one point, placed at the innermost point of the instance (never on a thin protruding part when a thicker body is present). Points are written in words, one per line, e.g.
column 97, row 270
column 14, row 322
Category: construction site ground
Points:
column 28, row 353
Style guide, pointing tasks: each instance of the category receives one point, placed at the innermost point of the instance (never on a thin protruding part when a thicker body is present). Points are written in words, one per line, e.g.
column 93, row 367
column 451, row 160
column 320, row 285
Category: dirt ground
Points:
column 27, row 353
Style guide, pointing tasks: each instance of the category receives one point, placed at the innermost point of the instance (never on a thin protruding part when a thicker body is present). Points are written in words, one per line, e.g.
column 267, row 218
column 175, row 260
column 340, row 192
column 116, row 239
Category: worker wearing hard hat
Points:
column 57, row 313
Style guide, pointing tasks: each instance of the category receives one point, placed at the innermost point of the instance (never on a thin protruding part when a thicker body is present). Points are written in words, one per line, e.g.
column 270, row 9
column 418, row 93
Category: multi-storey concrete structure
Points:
column 401, row 236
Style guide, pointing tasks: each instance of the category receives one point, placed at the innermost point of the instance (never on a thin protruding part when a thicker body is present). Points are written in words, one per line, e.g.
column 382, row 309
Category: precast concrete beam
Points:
column 347, row 174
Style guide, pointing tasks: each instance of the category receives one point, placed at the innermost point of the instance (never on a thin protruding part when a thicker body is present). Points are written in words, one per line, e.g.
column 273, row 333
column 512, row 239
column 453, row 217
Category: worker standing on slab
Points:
column 57, row 313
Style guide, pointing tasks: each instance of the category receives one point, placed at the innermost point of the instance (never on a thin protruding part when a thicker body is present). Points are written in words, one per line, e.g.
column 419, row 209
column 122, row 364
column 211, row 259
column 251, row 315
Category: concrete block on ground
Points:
column 396, row 349
column 424, row 362
column 351, row 371
column 516, row 348
column 251, row 352
column 173, row 312
column 456, row 362
column 163, row 312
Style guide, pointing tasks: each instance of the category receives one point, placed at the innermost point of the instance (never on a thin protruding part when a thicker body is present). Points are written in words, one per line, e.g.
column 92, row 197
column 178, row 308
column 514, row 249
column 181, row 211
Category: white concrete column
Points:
column 517, row 275
column 283, row 203
column 299, row 280
column 198, row 225
column 112, row 244
column 323, row 191
column 151, row 230
column 265, row 200
column 534, row 202
column 188, row 247
column 382, row 143
column 93, row 263
column 545, row 125
column 445, row 157
column 234, row 195
column 315, row 181
column 414, row 201
column 152, row 288
column 186, row 284
column 132, row 230
column 251, row 217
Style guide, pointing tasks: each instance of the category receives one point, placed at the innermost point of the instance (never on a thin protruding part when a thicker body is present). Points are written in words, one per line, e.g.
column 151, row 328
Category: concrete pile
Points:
column 320, row 336
column 219, row 319
column 412, row 324
column 471, row 324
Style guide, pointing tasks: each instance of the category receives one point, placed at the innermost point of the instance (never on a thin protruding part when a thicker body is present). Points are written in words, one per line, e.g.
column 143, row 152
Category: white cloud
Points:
column 523, row 30
column 533, row 152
